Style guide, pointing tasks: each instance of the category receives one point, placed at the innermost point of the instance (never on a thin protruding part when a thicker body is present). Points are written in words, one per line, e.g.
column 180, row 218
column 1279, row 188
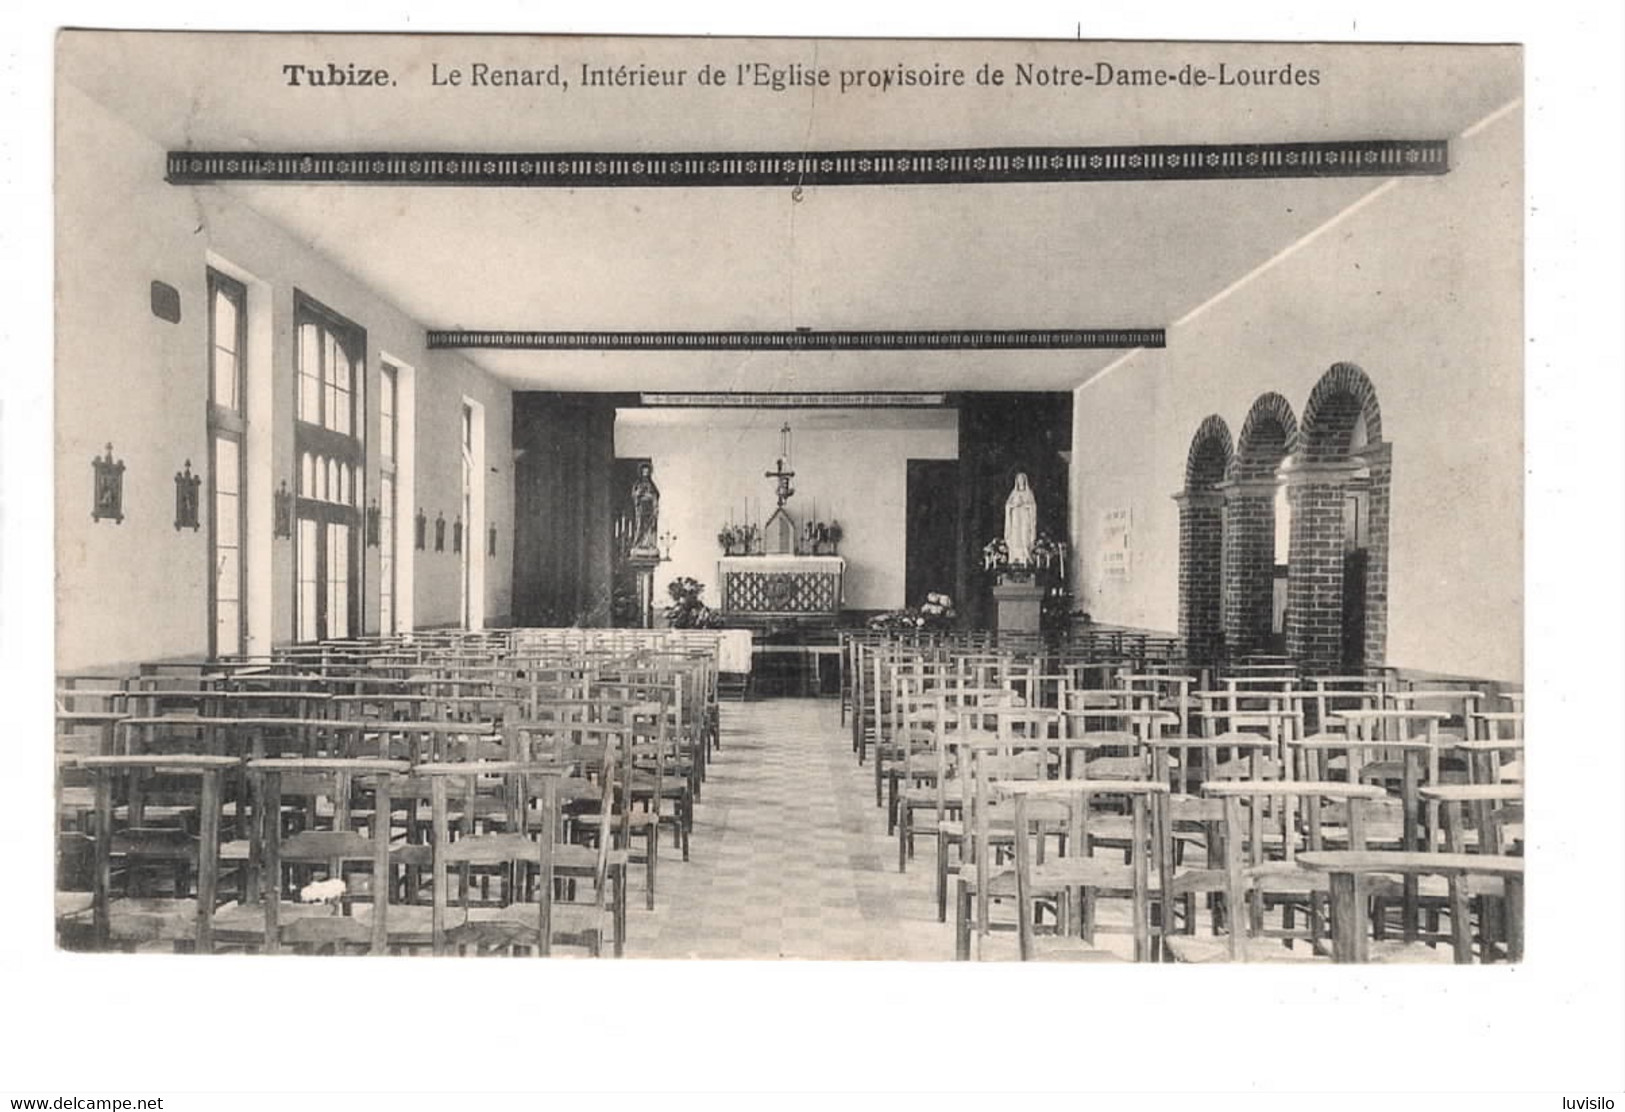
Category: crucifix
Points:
column 785, row 490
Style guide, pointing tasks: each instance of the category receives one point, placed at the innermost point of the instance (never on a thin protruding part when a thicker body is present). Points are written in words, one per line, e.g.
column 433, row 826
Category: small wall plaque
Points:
column 166, row 302
column 186, row 486
column 107, row 498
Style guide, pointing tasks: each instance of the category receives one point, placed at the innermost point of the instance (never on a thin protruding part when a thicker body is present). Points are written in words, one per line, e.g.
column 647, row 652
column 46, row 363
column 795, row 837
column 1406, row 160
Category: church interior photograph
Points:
column 900, row 500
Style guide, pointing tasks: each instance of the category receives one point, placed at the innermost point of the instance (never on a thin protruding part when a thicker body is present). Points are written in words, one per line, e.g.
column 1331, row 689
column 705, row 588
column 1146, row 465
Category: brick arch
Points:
column 1201, row 525
column 1321, row 601
column 1343, row 394
column 1210, row 456
column 1268, row 435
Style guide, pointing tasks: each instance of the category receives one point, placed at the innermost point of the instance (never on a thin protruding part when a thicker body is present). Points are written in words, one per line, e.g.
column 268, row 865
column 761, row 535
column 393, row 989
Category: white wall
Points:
column 1422, row 288
column 851, row 463
column 138, row 590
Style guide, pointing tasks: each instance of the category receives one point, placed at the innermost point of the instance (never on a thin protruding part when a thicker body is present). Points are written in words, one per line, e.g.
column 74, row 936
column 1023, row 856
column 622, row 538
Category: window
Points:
column 331, row 355
column 388, row 394
column 328, row 370
column 228, row 331
column 465, row 588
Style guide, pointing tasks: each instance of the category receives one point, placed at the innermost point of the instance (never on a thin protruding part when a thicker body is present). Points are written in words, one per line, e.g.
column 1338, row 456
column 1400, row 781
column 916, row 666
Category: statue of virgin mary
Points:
column 1020, row 521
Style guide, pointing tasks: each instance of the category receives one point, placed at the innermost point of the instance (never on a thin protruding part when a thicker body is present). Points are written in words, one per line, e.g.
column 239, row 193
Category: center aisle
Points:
column 790, row 856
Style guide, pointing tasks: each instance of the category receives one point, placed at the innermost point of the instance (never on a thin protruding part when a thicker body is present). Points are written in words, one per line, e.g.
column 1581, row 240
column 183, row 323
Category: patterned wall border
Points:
column 832, row 399
column 1184, row 161
column 950, row 339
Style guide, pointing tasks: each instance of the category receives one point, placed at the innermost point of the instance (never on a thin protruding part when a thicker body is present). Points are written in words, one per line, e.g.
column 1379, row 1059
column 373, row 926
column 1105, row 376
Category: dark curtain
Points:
column 1001, row 434
column 931, row 555
column 564, row 508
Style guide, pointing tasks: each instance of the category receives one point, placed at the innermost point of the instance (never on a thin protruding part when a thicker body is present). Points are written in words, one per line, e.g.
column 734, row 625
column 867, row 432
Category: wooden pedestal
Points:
column 1020, row 605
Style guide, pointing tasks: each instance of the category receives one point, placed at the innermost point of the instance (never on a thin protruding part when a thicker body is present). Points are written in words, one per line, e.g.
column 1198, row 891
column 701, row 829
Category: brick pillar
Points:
column 1249, row 563
column 1379, row 461
column 1314, row 619
column 1201, row 546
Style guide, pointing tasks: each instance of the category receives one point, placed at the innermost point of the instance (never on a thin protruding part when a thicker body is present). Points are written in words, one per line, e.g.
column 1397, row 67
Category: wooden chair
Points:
column 1079, row 870
column 1165, row 691
column 985, row 827
column 658, row 794
column 1325, row 696
column 968, row 713
column 1494, row 749
column 594, row 817
column 1349, row 870
column 1264, row 827
column 341, row 843
column 186, row 917
column 528, row 915
column 909, row 758
column 1494, row 809
column 1457, row 705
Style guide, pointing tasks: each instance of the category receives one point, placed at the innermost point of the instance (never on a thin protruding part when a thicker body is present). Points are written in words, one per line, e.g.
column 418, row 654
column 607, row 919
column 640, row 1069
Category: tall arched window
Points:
column 388, row 438
column 331, row 354
column 228, row 424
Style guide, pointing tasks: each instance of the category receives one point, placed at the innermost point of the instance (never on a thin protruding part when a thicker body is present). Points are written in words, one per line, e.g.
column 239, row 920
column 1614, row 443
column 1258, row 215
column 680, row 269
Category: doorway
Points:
column 930, row 552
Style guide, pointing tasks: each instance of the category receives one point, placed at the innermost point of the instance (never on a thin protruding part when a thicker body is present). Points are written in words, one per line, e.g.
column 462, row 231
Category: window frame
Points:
column 335, row 448
column 227, row 423
column 389, row 387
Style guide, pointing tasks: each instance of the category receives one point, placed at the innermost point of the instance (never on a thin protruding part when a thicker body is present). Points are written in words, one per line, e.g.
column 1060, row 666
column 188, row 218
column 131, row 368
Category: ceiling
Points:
column 927, row 257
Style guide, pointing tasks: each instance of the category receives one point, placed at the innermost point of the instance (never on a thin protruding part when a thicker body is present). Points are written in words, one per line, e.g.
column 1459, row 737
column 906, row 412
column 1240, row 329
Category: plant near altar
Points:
column 687, row 609
column 738, row 540
column 937, row 612
column 820, row 538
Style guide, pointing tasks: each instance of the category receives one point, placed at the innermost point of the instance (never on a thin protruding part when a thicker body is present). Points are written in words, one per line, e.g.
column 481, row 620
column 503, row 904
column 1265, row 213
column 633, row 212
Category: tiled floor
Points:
column 790, row 856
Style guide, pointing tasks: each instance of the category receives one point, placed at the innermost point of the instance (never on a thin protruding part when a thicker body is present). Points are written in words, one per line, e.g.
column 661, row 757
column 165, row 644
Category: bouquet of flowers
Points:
column 821, row 539
column 687, row 611
column 1046, row 552
column 738, row 540
column 937, row 612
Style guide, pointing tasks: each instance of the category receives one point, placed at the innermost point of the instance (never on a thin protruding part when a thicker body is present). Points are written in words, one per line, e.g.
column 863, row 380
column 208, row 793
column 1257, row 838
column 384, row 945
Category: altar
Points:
column 781, row 586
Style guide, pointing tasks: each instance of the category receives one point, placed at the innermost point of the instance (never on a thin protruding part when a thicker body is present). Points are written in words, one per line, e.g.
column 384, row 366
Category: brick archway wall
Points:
column 1329, row 467
column 1210, row 448
column 1201, row 540
column 1268, row 436
column 1343, row 393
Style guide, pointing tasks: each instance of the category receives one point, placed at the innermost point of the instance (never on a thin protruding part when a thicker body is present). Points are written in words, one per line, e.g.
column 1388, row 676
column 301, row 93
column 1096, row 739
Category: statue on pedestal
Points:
column 1020, row 522
column 645, row 513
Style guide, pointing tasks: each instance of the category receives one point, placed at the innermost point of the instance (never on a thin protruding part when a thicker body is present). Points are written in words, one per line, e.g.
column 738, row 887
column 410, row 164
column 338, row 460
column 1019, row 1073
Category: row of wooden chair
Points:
column 1223, row 767
column 277, row 804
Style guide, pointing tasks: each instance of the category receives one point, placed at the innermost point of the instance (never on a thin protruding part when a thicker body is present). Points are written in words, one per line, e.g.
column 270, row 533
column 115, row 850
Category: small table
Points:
column 1347, row 867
